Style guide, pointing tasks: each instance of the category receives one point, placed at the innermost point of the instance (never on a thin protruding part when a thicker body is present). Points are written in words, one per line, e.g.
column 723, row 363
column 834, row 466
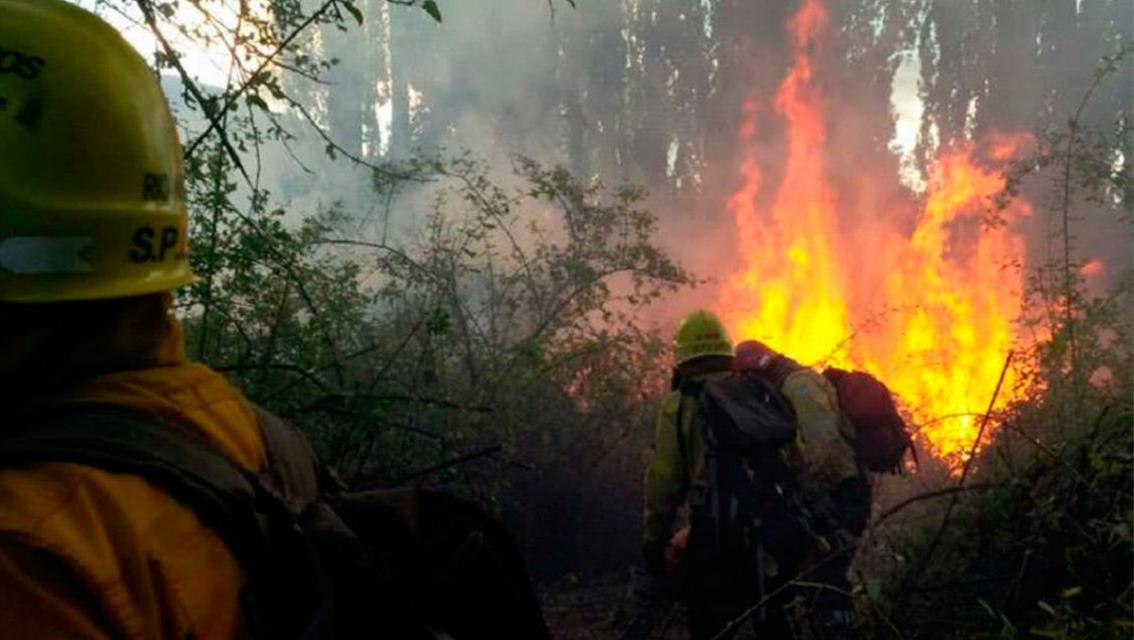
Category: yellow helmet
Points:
column 92, row 197
column 701, row 334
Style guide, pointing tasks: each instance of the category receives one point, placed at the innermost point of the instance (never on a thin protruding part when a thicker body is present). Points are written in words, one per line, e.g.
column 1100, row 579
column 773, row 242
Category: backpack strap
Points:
column 178, row 460
column 243, row 508
column 293, row 468
column 689, row 389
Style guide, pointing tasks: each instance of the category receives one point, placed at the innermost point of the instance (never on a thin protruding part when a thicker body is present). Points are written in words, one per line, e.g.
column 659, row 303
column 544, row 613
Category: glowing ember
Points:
column 938, row 320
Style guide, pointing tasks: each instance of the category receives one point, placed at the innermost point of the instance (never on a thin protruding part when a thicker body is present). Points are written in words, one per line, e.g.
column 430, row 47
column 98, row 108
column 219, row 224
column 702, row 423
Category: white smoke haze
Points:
column 652, row 91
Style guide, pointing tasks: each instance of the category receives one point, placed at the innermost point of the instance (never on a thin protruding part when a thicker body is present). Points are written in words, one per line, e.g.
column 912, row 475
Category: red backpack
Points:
column 881, row 439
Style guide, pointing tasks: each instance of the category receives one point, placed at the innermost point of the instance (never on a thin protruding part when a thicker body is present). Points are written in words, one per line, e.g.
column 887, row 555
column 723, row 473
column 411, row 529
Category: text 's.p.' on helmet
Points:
column 92, row 197
column 701, row 334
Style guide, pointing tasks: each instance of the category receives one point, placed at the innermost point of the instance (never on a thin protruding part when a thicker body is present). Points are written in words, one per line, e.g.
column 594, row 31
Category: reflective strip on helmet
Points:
column 42, row 255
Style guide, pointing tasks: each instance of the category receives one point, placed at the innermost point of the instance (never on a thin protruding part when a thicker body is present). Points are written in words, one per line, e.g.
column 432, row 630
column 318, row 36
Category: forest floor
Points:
column 599, row 608
column 591, row 608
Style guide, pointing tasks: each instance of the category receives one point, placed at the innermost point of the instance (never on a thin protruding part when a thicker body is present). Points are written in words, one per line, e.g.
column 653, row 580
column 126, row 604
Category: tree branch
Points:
column 256, row 75
column 447, row 464
column 191, row 87
column 917, row 573
column 928, row 496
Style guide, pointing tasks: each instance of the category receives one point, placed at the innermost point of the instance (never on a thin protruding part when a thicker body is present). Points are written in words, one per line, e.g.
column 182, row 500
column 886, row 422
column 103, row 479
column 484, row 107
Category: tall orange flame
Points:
column 938, row 321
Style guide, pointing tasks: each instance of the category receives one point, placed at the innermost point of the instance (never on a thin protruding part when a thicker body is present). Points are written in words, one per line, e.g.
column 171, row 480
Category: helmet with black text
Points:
column 92, row 199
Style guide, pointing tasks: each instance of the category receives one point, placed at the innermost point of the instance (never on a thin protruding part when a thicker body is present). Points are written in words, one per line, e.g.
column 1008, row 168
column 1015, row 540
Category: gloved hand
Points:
column 675, row 555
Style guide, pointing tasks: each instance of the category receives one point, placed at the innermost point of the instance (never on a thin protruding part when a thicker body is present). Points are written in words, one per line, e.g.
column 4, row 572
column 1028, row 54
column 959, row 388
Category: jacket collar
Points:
column 46, row 349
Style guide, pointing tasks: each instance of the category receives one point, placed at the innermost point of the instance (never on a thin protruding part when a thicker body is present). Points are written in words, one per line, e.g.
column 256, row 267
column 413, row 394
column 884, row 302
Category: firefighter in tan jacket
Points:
column 834, row 482
column 92, row 240
column 716, row 590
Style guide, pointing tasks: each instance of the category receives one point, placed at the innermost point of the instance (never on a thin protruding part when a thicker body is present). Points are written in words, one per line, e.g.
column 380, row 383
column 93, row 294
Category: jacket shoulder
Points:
column 809, row 383
column 189, row 394
column 133, row 544
column 134, row 547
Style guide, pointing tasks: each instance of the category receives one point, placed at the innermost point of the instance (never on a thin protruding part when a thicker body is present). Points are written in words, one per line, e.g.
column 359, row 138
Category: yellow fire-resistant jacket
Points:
column 822, row 455
column 89, row 554
column 671, row 480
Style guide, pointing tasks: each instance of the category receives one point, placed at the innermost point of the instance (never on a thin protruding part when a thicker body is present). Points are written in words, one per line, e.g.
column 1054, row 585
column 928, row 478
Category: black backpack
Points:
column 881, row 438
column 321, row 562
column 754, row 502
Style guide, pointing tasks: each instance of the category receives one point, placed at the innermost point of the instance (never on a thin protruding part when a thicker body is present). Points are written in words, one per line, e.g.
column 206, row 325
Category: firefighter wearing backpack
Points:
column 836, row 487
column 675, row 475
column 718, row 587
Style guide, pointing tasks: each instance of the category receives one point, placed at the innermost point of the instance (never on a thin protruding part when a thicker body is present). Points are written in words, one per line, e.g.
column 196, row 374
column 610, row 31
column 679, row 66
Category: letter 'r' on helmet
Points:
column 701, row 334
column 92, row 198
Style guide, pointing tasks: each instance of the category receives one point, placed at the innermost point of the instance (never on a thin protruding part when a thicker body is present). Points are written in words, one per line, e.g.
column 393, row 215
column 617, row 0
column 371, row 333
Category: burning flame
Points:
column 930, row 313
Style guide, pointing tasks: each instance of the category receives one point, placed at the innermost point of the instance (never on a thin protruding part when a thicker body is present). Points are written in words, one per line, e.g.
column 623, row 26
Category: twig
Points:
column 928, row 496
column 924, row 564
column 519, row 464
column 734, row 625
column 279, row 366
column 191, row 87
column 1015, row 592
column 1047, row 450
column 291, row 385
column 878, row 610
column 318, row 13
column 321, row 403
column 353, row 157
column 948, row 416
column 383, row 247
column 1065, row 215
column 468, row 457
column 819, row 586
column 1069, row 288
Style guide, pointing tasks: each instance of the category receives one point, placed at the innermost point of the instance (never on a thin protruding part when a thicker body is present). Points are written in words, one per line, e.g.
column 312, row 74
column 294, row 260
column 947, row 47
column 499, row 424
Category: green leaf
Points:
column 432, row 9
column 257, row 101
column 354, row 12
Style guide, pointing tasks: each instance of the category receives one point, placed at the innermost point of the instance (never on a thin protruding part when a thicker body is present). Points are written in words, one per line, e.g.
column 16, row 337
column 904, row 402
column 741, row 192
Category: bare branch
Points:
column 255, row 76
column 191, row 87
column 421, row 474
column 929, row 496
column 916, row 574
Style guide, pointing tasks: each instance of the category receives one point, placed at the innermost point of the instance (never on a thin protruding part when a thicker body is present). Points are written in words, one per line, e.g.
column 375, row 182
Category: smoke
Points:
column 653, row 91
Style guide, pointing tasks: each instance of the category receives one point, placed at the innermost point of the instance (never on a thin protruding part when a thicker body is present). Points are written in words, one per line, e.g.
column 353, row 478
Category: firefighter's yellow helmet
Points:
column 92, row 198
column 701, row 334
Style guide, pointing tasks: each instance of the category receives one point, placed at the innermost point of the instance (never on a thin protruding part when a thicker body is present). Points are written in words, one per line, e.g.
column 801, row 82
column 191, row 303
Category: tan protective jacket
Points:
column 90, row 554
column 825, row 435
